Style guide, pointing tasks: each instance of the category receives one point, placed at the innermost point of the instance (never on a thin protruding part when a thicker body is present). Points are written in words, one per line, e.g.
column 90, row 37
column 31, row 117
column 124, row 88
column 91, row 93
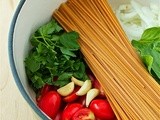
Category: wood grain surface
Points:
column 12, row 104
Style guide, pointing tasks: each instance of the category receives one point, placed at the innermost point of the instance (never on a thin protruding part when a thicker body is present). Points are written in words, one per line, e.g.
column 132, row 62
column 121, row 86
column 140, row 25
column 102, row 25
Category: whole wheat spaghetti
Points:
column 131, row 91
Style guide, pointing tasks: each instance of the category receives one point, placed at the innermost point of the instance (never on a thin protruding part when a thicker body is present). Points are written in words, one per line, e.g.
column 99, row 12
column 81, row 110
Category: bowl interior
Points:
column 34, row 13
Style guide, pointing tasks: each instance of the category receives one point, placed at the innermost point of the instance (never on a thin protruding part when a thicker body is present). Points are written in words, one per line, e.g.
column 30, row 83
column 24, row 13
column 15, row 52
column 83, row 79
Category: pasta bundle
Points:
column 131, row 91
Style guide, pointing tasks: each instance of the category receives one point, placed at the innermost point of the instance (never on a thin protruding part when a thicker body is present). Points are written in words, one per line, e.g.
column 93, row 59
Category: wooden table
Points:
column 12, row 104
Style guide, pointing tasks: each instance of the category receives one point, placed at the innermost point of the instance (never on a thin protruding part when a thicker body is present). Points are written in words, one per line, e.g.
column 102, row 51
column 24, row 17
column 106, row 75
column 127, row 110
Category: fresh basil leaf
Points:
column 149, row 50
column 151, row 34
column 148, row 61
column 156, row 45
column 156, row 63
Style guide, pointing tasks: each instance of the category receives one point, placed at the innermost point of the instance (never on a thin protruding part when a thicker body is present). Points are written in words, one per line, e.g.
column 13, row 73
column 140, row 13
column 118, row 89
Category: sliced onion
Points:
column 135, row 18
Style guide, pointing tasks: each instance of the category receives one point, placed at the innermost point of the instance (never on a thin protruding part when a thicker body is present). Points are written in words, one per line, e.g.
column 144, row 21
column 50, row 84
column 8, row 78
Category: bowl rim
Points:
column 12, row 63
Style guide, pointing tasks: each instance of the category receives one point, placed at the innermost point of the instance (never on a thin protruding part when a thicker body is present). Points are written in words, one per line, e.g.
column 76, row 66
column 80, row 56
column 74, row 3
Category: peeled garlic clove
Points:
column 91, row 94
column 85, row 88
column 77, row 82
column 67, row 89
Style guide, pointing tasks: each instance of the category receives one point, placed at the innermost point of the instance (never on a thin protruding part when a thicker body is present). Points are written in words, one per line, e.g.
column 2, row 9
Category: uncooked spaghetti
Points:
column 131, row 90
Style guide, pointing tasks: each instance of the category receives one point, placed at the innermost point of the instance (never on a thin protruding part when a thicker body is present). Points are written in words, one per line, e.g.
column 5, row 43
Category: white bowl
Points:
column 31, row 14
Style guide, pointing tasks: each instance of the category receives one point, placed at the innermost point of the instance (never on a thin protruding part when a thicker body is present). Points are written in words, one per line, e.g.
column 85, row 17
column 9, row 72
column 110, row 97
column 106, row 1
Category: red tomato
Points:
column 70, row 110
column 50, row 103
column 46, row 89
column 83, row 114
column 58, row 116
column 97, row 85
column 102, row 109
column 43, row 91
column 72, row 97
column 90, row 75
column 82, row 100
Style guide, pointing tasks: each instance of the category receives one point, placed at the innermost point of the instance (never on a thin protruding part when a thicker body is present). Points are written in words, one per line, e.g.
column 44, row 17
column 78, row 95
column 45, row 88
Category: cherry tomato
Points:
column 70, row 110
column 82, row 100
column 90, row 75
column 72, row 97
column 46, row 89
column 97, row 85
column 102, row 109
column 43, row 91
column 83, row 114
column 58, row 116
column 50, row 103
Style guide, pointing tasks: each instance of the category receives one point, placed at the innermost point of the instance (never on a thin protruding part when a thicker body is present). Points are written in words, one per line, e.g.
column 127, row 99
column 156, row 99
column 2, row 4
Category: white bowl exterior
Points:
column 33, row 14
